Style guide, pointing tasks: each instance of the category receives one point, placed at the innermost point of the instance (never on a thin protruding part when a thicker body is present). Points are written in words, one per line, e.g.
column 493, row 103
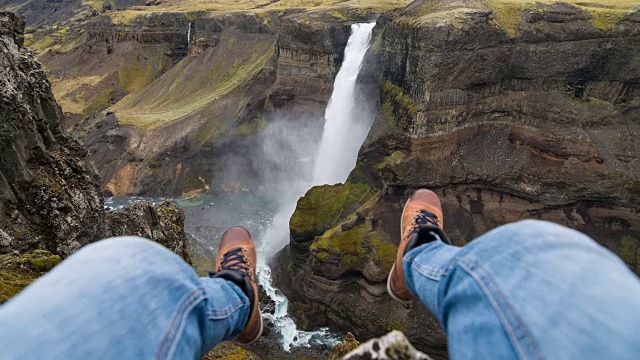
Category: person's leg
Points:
column 122, row 298
column 533, row 290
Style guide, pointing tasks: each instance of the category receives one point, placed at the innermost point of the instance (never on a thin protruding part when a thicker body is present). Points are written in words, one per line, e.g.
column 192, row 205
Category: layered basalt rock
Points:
column 506, row 120
column 48, row 191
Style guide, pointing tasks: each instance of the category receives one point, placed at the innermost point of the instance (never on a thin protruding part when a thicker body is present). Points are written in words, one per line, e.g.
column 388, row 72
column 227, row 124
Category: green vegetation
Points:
column 323, row 207
column 40, row 260
column 629, row 251
column 229, row 351
column 251, row 127
column 18, row 271
column 399, row 110
column 395, row 158
column 348, row 344
column 197, row 82
column 605, row 14
column 98, row 103
column 136, row 76
column 12, row 282
column 355, row 247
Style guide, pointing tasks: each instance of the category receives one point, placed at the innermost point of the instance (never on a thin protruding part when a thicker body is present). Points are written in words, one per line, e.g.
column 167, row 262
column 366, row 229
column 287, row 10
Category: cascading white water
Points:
column 189, row 37
column 342, row 138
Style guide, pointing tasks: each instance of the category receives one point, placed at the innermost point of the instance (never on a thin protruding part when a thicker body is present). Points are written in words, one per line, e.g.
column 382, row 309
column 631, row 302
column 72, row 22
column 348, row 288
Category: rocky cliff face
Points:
column 508, row 112
column 48, row 190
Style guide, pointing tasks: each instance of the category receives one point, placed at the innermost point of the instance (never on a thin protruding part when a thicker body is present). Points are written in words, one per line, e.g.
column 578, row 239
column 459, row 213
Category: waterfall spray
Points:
column 341, row 140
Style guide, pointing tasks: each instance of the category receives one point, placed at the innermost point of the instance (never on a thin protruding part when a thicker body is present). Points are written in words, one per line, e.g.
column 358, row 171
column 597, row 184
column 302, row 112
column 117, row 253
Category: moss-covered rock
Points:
column 339, row 252
column 323, row 207
column 229, row 351
column 18, row 271
column 348, row 344
column 397, row 108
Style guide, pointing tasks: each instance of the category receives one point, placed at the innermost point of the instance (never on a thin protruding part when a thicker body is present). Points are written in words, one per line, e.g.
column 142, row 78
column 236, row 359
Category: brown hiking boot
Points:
column 422, row 220
column 236, row 262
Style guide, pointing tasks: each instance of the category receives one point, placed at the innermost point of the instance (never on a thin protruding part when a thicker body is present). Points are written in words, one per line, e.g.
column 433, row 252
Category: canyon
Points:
column 508, row 110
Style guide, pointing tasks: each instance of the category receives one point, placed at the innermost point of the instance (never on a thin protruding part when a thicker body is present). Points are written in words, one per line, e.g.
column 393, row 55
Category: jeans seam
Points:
column 171, row 336
column 215, row 314
column 429, row 272
column 482, row 278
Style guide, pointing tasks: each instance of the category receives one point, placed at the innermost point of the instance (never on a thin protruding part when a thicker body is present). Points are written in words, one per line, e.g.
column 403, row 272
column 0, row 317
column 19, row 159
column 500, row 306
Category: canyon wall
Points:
column 533, row 116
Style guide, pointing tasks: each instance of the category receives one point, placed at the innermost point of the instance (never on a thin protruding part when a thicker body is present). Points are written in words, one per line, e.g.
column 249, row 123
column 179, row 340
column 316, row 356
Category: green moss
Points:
column 202, row 265
column 229, row 351
column 509, row 14
column 395, row 158
column 323, row 207
column 136, row 76
column 629, row 251
column 11, row 283
column 98, row 103
column 40, row 261
column 251, row 127
column 355, row 247
column 321, row 255
column 383, row 249
column 348, row 344
column 18, row 271
column 399, row 110
column 349, row 245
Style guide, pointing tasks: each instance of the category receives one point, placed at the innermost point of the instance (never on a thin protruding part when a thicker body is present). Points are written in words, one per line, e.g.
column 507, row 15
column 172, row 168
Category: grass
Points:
column 136, row 76
column 65, row 91
column 98, row 103
column 191, row 7
column 197, row 82
column 251, row 127
column 605, row 14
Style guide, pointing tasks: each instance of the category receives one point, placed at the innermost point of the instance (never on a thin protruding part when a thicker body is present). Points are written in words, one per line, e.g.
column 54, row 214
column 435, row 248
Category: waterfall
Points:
column 343, row 136
column 189, row 37
column 344, row 133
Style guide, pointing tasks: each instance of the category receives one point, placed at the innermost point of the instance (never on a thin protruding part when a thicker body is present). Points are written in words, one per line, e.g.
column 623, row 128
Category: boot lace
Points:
column 234, row 260
column 424, row 217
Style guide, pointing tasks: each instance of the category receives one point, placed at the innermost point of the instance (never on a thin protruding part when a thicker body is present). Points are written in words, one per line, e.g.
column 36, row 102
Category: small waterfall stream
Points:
column 189, row 37
column 337, row 155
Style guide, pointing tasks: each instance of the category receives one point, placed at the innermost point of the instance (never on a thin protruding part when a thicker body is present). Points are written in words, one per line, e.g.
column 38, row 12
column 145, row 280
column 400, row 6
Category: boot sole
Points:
column 257, row 336
column 393, row 268
column 406, row 303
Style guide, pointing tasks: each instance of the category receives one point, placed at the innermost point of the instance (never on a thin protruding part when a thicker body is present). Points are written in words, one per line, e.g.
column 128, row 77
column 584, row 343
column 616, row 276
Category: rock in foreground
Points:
column 393, row 346
column 164, row 224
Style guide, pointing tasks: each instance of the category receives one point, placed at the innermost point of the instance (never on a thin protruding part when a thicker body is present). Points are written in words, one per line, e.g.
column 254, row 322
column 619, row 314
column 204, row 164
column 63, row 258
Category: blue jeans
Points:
column 526, row 290
column 122, row 298
column 529, row 290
